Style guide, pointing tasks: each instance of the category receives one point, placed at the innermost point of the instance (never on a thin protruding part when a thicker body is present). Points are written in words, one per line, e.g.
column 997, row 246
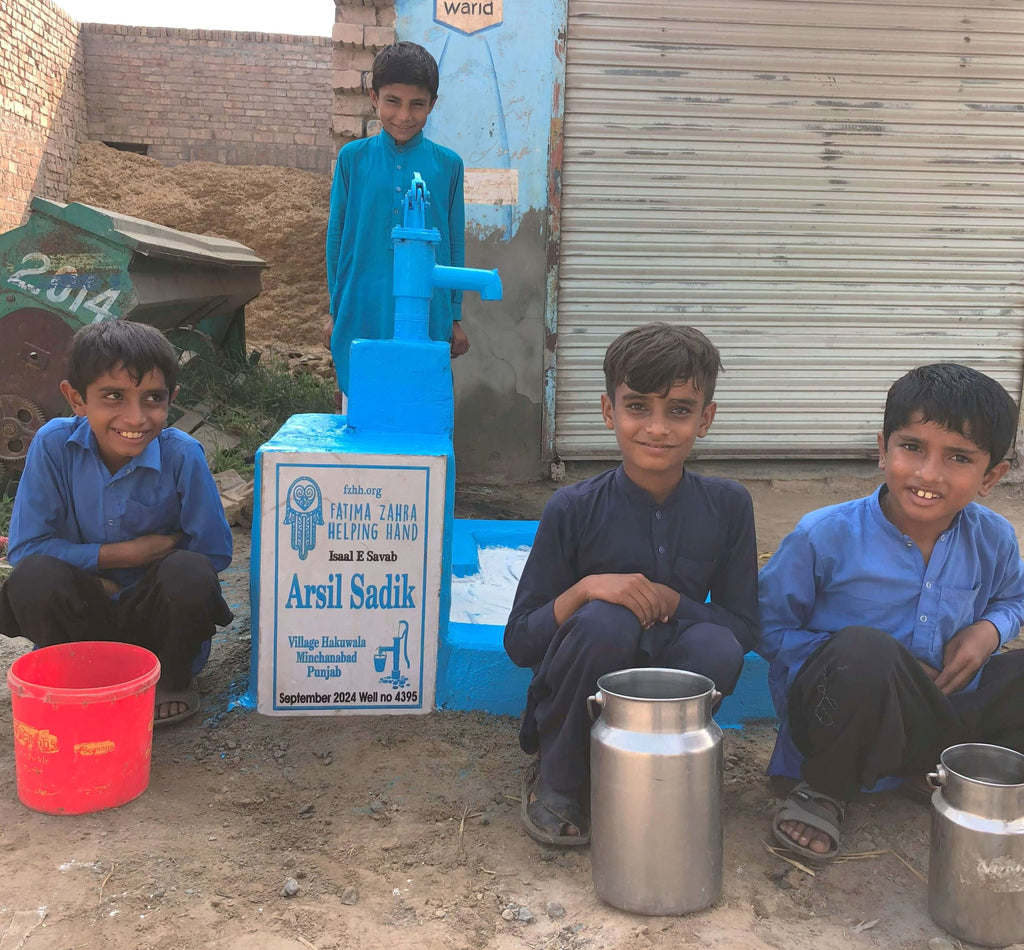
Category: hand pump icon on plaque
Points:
column 399, row 646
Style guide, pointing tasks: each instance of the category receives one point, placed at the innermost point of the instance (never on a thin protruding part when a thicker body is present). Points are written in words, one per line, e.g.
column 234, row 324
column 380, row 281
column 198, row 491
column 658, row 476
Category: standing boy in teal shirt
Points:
column 371, row 179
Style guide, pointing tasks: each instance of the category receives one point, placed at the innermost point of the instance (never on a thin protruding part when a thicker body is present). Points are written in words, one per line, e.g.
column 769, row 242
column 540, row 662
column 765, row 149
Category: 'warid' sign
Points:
column 349, row 583
column 468, row 16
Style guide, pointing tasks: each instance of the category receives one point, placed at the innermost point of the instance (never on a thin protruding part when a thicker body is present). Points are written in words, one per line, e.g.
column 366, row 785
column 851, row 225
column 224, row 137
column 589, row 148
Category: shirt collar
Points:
column 643, row 497
column 82, row 435
column 392, row 146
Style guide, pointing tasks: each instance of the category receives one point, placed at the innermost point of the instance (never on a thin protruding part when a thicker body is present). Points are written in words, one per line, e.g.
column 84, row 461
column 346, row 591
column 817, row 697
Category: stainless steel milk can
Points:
column 656, row 791
column 976, row 862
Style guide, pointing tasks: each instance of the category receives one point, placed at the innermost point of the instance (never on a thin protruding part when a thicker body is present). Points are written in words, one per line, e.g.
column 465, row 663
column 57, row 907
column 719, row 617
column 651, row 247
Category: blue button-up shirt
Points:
column 849, row 565
column 68, row 503
column 700, row 539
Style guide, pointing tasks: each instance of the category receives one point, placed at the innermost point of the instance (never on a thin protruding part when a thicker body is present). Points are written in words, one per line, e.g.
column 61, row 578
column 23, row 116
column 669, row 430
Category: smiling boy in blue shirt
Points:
column 118, row 530
column 881, row 616
column 371, row 177
column 622, row 565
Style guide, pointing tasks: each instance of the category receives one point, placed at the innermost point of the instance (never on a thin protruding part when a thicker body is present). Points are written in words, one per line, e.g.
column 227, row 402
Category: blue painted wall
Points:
column 495, row 99
column 499, row 107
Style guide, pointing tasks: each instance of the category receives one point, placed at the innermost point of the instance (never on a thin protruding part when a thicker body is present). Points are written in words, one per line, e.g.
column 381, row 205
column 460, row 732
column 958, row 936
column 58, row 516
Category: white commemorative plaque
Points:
column 349, row 588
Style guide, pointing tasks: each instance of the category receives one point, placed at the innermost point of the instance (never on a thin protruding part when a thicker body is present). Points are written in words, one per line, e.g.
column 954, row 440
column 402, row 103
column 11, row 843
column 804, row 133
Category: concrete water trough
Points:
column 473, row 671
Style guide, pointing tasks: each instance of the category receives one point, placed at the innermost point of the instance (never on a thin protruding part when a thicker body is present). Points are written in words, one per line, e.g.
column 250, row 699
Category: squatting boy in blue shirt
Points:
column 622, row 566
column 880, row 616
column 118, row 530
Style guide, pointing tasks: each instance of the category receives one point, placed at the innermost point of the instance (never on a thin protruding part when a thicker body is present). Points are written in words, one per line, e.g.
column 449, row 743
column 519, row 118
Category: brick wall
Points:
column 361, row 28
column 211, row 95
column 42, row 104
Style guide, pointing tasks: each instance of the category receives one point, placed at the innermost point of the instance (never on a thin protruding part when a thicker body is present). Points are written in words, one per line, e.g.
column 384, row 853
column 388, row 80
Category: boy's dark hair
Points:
column 101, row 347
column 652, row 358
column 958, row 398
column 406, row 63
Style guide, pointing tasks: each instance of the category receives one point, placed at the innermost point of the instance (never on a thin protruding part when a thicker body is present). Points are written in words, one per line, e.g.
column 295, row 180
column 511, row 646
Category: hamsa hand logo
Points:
column 303, row 510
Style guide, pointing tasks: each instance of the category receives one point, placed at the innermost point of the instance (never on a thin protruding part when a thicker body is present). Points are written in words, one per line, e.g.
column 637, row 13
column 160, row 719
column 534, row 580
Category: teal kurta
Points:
column 371, row 179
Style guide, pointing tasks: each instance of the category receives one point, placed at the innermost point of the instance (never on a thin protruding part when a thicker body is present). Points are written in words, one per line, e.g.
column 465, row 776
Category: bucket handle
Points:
column 937, row 778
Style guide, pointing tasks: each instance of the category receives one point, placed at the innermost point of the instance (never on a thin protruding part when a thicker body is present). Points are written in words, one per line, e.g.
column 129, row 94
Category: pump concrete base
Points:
column 474, row 673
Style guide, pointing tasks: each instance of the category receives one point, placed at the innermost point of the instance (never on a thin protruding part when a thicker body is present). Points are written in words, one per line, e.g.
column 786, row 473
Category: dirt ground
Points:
column 402, row 832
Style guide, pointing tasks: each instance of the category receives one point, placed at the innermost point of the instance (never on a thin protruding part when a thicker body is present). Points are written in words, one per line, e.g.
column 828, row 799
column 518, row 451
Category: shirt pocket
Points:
column 959, row 608
column 164, row 517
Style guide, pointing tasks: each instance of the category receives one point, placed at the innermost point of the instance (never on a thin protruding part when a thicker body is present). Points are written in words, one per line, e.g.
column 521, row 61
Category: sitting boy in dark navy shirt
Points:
column 118, row 530
column 622, row 565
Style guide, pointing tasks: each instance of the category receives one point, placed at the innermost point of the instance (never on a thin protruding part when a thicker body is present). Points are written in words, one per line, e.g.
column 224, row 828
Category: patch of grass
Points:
column 250, row 401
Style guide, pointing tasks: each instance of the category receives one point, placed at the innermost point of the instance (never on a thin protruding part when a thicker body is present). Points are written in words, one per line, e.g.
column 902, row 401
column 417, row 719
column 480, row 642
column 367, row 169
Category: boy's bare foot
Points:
column 170, row 710
column 806, row 836
column 808, row 823
column 174, row 705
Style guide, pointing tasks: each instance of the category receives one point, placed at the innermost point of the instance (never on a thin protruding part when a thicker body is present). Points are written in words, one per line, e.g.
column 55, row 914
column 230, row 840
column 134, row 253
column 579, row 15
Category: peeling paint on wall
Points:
column 498, row 186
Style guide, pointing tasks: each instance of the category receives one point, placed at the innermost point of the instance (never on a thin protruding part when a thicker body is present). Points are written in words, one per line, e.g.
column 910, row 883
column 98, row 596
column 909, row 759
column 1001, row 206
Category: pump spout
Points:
column 487, row 283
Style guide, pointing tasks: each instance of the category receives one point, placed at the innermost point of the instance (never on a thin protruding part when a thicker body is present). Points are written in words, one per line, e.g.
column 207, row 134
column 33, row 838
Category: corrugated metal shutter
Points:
column 832, row 191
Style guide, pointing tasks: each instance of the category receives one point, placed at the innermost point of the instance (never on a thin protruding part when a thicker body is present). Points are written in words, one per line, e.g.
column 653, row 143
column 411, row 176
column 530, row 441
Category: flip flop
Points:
column 189, row 696
column 817, row 810
column 553, row 809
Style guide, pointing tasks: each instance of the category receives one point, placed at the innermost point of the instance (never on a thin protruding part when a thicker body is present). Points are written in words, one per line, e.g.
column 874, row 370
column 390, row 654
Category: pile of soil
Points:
column 281, row 213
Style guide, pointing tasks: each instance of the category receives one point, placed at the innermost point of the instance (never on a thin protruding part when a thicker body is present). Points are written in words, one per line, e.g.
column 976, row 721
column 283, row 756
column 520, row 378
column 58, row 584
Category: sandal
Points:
column 189, row 697
column 816, row 810
column 551, row 817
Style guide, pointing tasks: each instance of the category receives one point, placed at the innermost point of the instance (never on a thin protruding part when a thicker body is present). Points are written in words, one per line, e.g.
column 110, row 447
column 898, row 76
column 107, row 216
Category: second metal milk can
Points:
column 976, row 861
column 656, row 791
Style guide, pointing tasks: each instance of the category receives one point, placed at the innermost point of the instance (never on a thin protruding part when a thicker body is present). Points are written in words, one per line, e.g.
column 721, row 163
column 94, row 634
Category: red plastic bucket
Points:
column 83, row 725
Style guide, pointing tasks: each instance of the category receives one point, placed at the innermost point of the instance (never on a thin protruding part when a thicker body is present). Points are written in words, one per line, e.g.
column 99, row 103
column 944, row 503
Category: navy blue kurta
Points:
column 700, row 540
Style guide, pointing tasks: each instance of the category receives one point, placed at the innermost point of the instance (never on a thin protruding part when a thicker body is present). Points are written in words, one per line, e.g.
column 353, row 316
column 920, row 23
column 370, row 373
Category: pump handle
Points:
column 416, row 200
